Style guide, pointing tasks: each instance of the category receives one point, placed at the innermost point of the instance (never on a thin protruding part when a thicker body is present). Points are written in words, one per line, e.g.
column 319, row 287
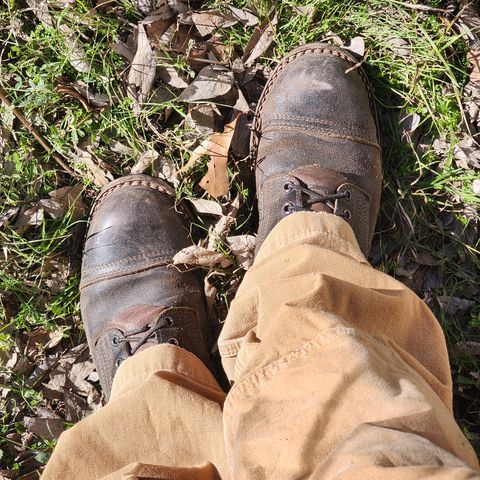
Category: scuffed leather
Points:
column 135, row 230
column 316, row 111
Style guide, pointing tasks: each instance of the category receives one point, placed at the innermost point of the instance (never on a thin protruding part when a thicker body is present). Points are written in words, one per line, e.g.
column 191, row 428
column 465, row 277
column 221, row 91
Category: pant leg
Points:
column 339, row 371
column 163, row 420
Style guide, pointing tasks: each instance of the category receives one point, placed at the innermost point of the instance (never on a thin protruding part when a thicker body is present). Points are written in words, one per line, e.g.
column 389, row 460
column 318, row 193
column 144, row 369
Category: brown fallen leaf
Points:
column 453, row 304
column 76, row 53
column 261, row 39
column 473, row 57
column 408, row 125
column 144, row 6
column 64, row 199
column 204, row 117
column 206, row 207
column 141, row 75
column 244, row 17
column 8, row 215
column 216, row 181
column 83, row 157
column 46, row 428
column 306, row 11
column 55, row 272
column 466, row 154
column 243, row 247
column 166, row 169
column 169, row 75
column 212, row 81
column 200, row 257
column 96, row 100
column 356, row 45
column 144, row 161
column 28, row 217
column 207, row 22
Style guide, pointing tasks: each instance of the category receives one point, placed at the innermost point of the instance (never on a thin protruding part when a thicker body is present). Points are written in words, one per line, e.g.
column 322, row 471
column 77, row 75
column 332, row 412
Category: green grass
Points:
column 425, row 199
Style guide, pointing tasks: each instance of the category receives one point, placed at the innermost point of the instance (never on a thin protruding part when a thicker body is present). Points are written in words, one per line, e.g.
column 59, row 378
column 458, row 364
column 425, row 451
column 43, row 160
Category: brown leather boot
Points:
column 131, row 297
column 316, row 143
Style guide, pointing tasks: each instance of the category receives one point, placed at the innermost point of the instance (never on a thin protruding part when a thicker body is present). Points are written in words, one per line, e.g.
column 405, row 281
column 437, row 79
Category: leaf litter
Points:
column 177, row 56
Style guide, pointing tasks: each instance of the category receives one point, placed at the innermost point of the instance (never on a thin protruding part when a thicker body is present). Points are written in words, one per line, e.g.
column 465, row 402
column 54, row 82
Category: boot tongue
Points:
column 321, row 180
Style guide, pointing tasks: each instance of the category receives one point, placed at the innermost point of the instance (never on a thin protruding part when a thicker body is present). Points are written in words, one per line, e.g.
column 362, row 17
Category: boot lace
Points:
column 142, row 335
column 314, row 198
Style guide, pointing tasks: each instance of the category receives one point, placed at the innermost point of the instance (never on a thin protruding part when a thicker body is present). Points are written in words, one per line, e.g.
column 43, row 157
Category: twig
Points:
column 43, row 142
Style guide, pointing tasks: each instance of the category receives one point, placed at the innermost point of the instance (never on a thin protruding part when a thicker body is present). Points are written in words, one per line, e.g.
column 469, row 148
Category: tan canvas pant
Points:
column 339, row 371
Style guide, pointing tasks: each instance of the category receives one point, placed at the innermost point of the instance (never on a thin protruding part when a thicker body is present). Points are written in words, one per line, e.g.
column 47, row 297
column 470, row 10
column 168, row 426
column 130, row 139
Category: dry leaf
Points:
column 142, row 71
column 453, row 304
column 204, row 117
column 84, row 157
column 64, row 199
column 165, row 168
column 399, row 46
column 216, row 181
column 408, row 125
column 473, row 57
column 212, row 81
column 476, row 187
column 244, row 17
column 243, row 247
column 356, row 45
column 77, row 56
column 40, row 9
column 144, row 6
column 241, row 105
column 28, row 217
column 467, row 154
column 47, row 428
column 206, row 207
column 123, row 50
column 207, row 22
column 144, row 161
column 96, row 100
column 8, row 215
column 200, row 257
column 171, row 77
column 307, row 10
column 261, row 39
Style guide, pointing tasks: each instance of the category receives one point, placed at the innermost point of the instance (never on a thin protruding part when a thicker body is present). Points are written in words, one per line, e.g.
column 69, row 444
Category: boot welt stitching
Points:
column 301, row 118
column 326, row 132
column 86, row 282
column 320, row 125
column 129, row 259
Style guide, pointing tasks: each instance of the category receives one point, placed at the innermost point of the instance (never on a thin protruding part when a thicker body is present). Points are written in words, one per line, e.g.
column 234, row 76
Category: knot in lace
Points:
column 313, row 198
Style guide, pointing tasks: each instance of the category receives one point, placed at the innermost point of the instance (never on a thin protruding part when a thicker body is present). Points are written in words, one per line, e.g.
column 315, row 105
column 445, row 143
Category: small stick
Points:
column 35, row 133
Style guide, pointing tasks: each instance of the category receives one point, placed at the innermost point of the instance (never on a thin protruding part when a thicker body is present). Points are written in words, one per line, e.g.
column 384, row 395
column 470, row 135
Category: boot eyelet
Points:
column 287, row 208
column 115, row 340
column 173, row 341
column 287, row 186
column 168, row 321
column 347, row 214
